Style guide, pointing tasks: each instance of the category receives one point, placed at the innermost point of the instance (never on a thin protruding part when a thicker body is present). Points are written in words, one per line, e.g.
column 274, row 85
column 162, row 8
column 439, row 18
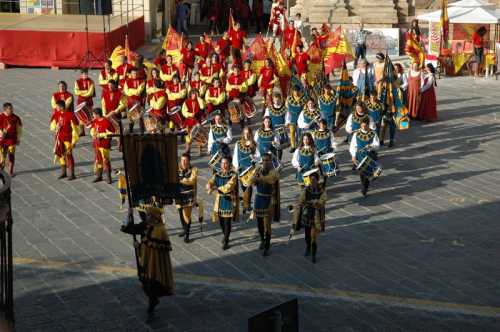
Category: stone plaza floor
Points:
column 420, row 253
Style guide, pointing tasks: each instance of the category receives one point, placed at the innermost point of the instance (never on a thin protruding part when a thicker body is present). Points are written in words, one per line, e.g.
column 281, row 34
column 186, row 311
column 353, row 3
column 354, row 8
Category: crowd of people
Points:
column 209, row 95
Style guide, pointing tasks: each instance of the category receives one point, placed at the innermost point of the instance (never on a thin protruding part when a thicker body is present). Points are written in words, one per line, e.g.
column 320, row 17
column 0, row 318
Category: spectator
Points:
column 267, row 4
column 360, row 43
column 181, row 17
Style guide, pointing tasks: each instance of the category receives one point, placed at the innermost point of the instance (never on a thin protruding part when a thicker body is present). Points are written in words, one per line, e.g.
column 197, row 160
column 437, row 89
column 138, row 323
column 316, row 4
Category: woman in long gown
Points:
column 428, row 108
column 414, row 84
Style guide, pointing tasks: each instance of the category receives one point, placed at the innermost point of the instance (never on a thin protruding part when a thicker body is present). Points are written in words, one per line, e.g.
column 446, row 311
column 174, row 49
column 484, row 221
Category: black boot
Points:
column 108, row 176
column 260, row 225
column 391, row 144
column 225, row 244
column 267, row 245
column 153, row 302
column 98, row 175
column 183, row 225
column 63, row 172
column 314, row 250
column 186, row 236
column 308, row 250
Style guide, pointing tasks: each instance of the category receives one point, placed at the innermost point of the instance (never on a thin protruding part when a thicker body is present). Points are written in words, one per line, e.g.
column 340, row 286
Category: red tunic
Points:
column 188, row 57
column 202, row 49
column 101, row 126
column 194, row 107
column 224, row 46
column 106, row 77
column 236, row 81
column 276, row 15
column 300, row 61
column 288, row 36
column 83, row 85
column 65, row 121
column 251, row 89
column 159, row 112
column 61, row 96
column 167, row 72
column 134, row 84
column 236, row 38
column 123, row 70
column 172, row 102
column 160, row 61
column 9, row 125
column 142, row 74
column 267, row 78
column 111, row 100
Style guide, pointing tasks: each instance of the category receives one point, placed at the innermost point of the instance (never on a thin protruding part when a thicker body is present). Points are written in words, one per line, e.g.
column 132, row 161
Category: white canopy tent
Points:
column 466, row 11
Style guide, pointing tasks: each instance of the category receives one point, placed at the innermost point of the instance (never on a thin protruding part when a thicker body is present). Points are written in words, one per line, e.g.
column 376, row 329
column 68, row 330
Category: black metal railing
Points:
column 6, row 266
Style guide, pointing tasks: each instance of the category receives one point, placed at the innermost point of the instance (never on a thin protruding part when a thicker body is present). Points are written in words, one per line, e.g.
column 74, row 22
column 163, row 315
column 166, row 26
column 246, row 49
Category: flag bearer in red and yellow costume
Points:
column 107, row 74
column 267, row 80
column 192, row 111
column 62, row 94
column 168, row 70
column 11, row 129
column 100, row 130
column 65, row 125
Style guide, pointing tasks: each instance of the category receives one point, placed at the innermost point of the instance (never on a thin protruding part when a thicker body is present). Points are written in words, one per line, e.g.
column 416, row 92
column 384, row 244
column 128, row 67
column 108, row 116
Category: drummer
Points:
column 134, row 89
column 168, row 71
column 323, row 139
column 192, row 110
column 235, row 87
column 250, row 78
column 277, row 113
column 309, row 117
column 216, row 98
column 243, row 159
column 305, row 157
column 265, row 140
column 198, row 84
column 326, row 103
column 113, row 102
column 101, row 129
column 375, row 107
column 107, row 74
column 295, row 102
column 158, row 104
column 219, row 135
column 176, row 93
column 364, row 143
column 152, row 85
column 62, row 94
column 354, row 120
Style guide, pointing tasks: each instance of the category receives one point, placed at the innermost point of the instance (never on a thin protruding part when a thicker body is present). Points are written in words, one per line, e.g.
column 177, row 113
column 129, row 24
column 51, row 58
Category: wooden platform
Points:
column 74, row 23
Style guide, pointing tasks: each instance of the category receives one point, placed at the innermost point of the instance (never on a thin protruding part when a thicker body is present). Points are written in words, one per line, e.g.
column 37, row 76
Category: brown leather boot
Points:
column 98, row 175
column 63, row 172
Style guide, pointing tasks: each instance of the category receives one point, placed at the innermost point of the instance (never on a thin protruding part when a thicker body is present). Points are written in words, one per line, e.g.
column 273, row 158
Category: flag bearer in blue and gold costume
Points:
column 188, row 179
column 310, row 213
column 153, row 253
column 305, row 158
column 226, row 206
column 266, row 182
column 326, row 103
column 375, row 109
column 243, row 163
column 364, row 142
column 294, row 104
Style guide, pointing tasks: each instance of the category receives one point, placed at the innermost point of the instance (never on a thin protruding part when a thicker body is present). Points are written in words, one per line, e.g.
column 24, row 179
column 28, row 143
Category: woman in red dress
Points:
column 414, row 84
column 428, row 111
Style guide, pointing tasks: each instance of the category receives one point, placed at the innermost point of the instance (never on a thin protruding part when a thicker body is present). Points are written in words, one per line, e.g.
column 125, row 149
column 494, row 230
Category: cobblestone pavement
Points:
column 418, row 254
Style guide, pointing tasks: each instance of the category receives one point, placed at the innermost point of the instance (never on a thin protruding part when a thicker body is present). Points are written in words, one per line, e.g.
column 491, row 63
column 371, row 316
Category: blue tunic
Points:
column 356, row 121
column 263, row 198
column 306, row 161
column 219, row 133
column 225, row 201
column 327, row 109
column 295, row 106
column 323, row 141
column 362, row 140
column 265, row 141
column 244, row 155
column 375, row 111
column 277, row 115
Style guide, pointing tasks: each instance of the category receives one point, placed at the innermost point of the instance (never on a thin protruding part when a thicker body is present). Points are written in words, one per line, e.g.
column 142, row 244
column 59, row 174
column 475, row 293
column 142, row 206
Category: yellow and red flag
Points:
column 316, row 62
column 414, row 50
column 231, row 21
column 257, row 52
column 445, row 23
column 338, row 50
column 173, row 44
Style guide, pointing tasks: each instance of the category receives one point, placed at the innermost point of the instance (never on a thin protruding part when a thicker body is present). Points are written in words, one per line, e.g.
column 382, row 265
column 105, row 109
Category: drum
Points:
column 152, row 125
column 83, row 113
column 199, row 135
column 247, row 175
column 234, row 109
column 370, row 168
column 135, row 112
column 175, row 116
column 282, row 135
column 214, row 161
column 306, row 176
column 249, row 108
column 328, row 164
column 114, row 121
